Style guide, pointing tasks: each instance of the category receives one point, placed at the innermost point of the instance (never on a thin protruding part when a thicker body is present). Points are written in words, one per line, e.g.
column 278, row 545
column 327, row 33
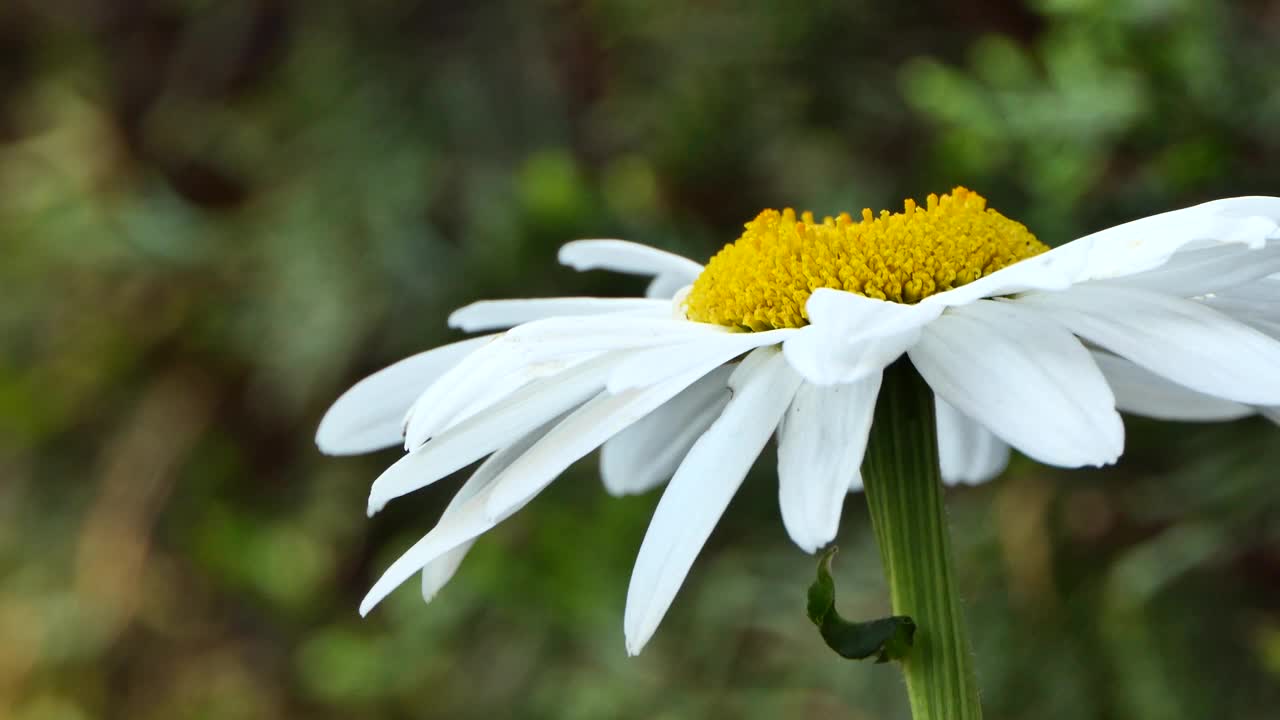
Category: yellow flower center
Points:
column 762, row 280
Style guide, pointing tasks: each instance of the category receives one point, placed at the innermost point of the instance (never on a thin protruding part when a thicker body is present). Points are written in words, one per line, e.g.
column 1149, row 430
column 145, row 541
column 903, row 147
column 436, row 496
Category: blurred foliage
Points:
column 216, row 216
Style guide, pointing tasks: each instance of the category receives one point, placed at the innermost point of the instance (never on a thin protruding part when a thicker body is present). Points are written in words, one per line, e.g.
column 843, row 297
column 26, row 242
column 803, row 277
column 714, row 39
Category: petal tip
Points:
column 568, row 255
column 457, row 319
column 634, row 645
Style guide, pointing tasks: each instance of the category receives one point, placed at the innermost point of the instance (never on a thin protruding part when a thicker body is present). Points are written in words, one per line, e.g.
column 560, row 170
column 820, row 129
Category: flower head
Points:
column 763, row 280
column 787, row 331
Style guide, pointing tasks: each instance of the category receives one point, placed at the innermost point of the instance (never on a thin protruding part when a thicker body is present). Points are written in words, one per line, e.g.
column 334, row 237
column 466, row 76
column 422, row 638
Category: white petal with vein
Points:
column 967, row 452
column 486, row 432
column 368, row 416
column 499, row 314
column 1182, row 340
column 438, row 572
column 584, row 430
column 647, row 454
column 666, row 286
column 820, row 446
column 646, row 367
column 627, row 257
column 1149, row 242
column 1142, row 392
column 851, row 337
column 467, row 522
column 1207, row 270
column 1026, row 379
column 701, row 489
column 535, row 350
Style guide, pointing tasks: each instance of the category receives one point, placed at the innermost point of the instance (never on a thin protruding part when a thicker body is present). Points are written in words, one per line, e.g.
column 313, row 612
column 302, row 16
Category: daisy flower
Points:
column 788, row 331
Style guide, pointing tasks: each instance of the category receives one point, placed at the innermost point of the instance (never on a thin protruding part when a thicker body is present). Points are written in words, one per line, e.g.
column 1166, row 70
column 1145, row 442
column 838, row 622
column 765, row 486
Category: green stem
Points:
column 904, row 491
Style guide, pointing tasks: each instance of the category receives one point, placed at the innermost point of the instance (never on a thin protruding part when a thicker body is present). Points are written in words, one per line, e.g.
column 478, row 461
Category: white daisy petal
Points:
column 666, row 286
column 1256, row 305
column 484, row 433
column 503, row 387
column 866, row 316
column 584, row 430
column 967, row 451
column 1026, row 379
column 1179, row 339
column 467, row 522
column 647, row 454
column 368, row 416
column 1207, row 270
column 629, row 258
column 820, row 446
column 1269, row 326
column 488, row 376
column 851, row 336
column 501, row 314
column 535, row 350
column 1258, row 300
column 825, row 358
column 646, row 367
column 552, row 338
column 1135, row 247
column 1147, row 243
column 1055, row 269
column 697, row 496
column 438, row 572
column 1142, row 392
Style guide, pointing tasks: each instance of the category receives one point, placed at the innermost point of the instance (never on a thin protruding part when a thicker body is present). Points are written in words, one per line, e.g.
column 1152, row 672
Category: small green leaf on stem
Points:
column 884, row 639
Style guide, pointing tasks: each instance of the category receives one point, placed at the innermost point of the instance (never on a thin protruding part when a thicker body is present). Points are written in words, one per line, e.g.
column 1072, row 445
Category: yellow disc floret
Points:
column 762, row 280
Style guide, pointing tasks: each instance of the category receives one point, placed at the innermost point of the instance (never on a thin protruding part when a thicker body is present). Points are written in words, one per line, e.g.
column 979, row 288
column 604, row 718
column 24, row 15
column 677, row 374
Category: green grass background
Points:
column 214, row 217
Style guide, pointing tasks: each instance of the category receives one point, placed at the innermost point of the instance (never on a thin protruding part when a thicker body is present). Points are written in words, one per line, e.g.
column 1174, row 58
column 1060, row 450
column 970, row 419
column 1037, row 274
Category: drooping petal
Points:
column 1135, row 247
column 551, row 336
column 1257, row 301
column 697, row 496
column 648, row 453
column 1147, row 243
column 1142, row 392
column 967, row 451
column 467, row 522
column 436, row 573
column 866, row 316
column 1056, row 269
column 1182, row 340
column 487, row 377
column 584, row 430
column 1026, row 379
column 501, row 314
column 1256, row 304
column 368, row 416
column 646, row 367
column 486, row 432
column 1206, row 271
column 622, row 256
column 666, row 286
column 820, row 446
column 535, row 350
column 851, row 337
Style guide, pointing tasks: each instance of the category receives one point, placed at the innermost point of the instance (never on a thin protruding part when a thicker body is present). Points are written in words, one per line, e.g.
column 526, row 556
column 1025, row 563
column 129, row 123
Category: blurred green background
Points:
column 215, row 216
